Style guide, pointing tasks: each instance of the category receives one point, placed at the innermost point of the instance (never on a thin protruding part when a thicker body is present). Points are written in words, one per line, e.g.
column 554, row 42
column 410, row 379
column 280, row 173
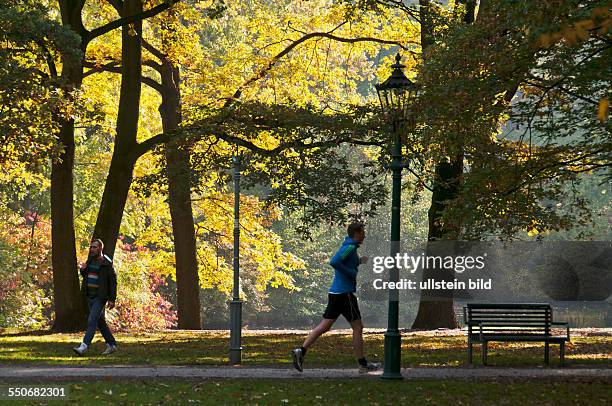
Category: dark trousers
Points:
column 96, row 320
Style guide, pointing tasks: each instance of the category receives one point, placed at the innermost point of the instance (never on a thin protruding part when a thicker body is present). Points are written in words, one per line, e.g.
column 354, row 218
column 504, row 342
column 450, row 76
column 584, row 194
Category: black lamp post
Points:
column 235, row 304
column 395, row 95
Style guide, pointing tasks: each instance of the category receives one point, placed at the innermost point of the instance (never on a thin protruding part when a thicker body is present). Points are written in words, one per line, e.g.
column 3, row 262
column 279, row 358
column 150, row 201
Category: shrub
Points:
column 140, row 306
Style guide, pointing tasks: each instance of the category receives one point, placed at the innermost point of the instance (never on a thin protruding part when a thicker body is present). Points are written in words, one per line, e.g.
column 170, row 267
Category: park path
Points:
column 196, row 372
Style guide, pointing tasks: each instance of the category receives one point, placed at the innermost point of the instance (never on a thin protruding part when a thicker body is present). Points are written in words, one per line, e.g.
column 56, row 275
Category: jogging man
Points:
column 342, row 300
column 100, row 288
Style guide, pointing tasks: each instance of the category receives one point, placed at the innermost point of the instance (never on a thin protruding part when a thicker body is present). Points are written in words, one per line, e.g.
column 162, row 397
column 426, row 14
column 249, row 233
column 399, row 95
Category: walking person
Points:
column 342, row 300
column 100, row 288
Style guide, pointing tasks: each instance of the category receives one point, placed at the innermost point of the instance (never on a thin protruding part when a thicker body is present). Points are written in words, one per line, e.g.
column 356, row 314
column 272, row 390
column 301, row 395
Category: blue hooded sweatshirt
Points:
column 345, row 263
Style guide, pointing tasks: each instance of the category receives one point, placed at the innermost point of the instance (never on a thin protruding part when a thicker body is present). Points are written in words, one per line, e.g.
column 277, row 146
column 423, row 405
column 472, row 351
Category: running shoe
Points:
column 298, row 359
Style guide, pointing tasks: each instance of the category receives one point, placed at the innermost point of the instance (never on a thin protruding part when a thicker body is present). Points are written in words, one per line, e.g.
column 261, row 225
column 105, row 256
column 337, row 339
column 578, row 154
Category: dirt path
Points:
column 193, row 372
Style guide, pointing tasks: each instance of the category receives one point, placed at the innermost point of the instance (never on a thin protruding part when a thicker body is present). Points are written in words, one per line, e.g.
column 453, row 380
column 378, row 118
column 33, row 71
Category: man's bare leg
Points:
column 318, row 331
column 357, row 326
column 299, row 353
column 364, row 365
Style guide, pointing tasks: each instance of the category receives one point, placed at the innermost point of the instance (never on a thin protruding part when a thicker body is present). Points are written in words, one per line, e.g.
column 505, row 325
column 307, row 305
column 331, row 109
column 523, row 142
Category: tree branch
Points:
column 127, row 20
column 162, row 138
column 152, row 64
column 559, row 164
column 115, row 67
column 154, row 51
column 265, row 69
column 563, row 89
column 117, row 4
column 418, row 176
column 414, row 13
column 48, row 58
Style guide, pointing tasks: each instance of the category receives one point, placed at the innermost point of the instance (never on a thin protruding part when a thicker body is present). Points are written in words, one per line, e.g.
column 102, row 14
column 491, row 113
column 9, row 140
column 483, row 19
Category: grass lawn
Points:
column 270, row 348
column 336, row 392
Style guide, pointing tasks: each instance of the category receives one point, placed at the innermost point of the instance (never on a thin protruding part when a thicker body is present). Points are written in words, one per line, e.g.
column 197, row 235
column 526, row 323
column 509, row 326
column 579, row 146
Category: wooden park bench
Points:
column 512, row 322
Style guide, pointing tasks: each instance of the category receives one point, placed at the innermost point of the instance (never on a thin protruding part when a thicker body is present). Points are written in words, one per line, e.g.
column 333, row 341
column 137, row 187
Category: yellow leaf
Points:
column 132, row 32
column 603, row 110
column 532, row 230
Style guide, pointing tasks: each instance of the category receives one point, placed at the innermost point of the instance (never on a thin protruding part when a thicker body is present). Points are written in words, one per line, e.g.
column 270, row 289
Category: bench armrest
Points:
column 480, row 327
column 563, row 323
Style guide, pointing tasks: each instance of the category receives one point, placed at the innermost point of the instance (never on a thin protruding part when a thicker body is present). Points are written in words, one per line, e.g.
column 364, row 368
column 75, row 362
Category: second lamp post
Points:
column 235, row 304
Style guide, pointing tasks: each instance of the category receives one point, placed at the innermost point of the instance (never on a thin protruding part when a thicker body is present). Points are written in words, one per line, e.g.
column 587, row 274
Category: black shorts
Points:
column 342, row 304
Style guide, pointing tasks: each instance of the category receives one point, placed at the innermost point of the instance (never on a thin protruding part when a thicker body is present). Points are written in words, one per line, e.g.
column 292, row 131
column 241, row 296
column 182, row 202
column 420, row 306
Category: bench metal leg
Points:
column 469, row 353
column 484, row 353
column 562, row 353
column 546, row 351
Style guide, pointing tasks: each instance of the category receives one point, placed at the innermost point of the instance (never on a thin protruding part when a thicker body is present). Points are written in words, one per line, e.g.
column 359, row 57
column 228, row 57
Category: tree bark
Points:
column 178, row 169
column 121, row 170
column 70, row 311
column 69, row 304
column 179, row 201
column 436, row 306
column 427, row 26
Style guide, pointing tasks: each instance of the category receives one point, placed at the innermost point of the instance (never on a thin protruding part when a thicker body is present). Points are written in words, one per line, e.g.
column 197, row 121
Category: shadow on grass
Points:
column 35, row 333
column 211, row 348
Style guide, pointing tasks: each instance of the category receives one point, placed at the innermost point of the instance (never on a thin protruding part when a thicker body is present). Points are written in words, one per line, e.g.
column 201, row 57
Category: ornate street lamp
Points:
column 396, row 95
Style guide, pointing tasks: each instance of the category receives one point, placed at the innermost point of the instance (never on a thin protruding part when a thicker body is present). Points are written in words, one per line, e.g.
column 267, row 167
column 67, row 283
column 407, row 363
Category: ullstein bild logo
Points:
column 432, row 284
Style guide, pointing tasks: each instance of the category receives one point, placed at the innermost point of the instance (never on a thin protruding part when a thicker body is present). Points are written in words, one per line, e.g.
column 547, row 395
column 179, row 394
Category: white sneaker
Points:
column 369, row 367
column 298, row 359
column 109, row 349
column 80, row 350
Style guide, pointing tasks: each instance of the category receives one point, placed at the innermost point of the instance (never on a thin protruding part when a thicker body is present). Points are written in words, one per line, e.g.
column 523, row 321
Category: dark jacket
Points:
column 107, row 280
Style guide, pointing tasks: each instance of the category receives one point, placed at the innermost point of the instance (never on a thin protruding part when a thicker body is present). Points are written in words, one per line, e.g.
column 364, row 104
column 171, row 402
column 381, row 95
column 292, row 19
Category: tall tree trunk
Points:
column 436, row 306
column 69, row 304
column 70, row 309
column 179, row 200
column 123, row 160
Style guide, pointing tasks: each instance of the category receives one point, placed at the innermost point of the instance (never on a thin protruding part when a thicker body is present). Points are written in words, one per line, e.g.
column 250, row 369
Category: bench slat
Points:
column 508, row 305
column 509, row 318
column 519, row 313
column 534, row 338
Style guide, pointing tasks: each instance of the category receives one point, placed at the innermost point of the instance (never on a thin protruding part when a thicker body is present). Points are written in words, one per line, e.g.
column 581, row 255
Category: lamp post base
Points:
column 235, row 356
column 393, row 349
column 235, row 353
